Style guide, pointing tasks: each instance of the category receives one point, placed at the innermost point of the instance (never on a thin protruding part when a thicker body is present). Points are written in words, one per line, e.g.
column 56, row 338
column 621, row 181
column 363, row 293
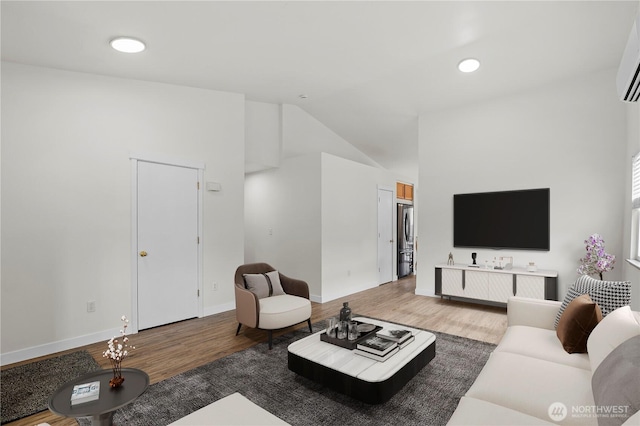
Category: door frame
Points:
column 152, row 158
column 394, row 272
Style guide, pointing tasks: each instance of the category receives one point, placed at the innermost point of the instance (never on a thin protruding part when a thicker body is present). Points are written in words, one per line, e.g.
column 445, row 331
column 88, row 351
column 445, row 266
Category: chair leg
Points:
column 270, row 339
column 309, row 322
column 238, row 330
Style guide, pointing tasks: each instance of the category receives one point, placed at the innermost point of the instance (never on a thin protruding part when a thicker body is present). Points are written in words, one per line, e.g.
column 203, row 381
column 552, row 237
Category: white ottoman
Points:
column 231, row 410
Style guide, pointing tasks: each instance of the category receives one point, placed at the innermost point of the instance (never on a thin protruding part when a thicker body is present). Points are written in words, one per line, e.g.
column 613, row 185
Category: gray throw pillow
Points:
column 609, row 295
column 616, row 384
column 264, row 285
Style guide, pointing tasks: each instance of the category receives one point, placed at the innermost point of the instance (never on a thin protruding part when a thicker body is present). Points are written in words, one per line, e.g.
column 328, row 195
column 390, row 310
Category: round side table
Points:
column 100, row 411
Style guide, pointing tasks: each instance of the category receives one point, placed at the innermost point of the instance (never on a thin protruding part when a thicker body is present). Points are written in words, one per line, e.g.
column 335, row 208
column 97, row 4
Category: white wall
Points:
column 283, row 219
column 303, row 134
column 295, row 216
column 315, row 218
column 263, row 136
column 631, row 273
column 570, row 137
column 66, row 195
column 350, row 225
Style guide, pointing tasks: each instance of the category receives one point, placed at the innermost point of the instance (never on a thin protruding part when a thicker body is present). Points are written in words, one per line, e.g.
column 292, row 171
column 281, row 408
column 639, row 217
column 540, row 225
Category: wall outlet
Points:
column 91, row 306
column 215, row 286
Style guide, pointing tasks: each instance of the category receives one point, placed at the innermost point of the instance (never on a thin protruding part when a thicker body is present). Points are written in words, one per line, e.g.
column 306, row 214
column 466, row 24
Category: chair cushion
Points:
column 264, row 285
column 283, row 311
column 615, row 383
column 609, row 295
column 576, row 323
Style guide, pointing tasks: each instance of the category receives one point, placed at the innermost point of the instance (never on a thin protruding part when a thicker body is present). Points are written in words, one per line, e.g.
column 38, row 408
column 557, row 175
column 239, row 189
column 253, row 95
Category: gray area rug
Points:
column 262, row 376
column 26, row 389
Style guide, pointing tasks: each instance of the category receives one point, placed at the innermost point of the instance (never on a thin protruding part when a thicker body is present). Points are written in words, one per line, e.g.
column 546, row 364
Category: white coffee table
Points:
column 365, row 379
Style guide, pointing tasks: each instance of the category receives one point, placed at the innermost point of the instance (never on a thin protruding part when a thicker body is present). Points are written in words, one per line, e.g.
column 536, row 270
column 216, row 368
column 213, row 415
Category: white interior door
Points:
column 167, row 243
column 385, row 236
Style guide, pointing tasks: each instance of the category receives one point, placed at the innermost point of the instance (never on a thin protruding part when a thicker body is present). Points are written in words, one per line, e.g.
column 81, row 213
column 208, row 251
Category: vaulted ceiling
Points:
column 368, row 68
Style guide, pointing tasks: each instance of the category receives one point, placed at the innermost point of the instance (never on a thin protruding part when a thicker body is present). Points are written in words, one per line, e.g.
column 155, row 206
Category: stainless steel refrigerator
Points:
column 405, row 240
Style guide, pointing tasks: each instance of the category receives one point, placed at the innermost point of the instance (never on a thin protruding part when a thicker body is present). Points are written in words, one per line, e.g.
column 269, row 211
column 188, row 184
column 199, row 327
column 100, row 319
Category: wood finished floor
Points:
column 173, row 349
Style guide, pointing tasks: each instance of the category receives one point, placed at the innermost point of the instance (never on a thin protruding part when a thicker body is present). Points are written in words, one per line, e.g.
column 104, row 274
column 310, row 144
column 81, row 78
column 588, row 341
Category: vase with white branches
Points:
column 117, row 352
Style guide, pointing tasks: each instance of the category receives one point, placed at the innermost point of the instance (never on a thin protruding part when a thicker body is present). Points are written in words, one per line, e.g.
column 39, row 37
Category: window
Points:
column 635, row 207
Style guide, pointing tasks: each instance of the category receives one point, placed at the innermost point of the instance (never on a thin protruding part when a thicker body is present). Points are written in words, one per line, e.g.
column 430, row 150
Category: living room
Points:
column 69, row 135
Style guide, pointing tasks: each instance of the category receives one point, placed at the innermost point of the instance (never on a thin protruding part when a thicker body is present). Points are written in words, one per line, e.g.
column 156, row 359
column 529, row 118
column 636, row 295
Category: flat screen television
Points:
column 502, row 220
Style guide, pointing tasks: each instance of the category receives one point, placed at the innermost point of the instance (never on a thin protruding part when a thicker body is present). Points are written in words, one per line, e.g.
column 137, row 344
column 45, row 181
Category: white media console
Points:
column 494, row 285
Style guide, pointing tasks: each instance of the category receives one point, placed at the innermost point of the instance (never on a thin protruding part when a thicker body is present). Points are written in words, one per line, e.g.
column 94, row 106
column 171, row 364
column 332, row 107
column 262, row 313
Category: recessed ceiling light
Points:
column 127, row 45
column 303, row 96
column 469, row 65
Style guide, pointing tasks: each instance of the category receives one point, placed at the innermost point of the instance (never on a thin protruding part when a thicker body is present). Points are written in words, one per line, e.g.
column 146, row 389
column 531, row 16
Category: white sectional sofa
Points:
column 531, row 380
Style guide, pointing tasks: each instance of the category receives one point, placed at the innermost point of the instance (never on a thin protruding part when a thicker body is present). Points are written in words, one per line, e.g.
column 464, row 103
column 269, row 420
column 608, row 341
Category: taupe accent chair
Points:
column 273, row 307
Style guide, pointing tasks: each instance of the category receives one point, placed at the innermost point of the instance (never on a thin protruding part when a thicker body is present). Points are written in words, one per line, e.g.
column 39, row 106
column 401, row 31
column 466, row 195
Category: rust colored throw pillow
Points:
column 578, row 319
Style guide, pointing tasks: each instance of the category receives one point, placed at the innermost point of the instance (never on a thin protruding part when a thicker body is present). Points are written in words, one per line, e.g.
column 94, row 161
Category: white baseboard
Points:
column 212, row 310
column 338, row 295
column 420, row 292
column 88, row 339
column 59, row 346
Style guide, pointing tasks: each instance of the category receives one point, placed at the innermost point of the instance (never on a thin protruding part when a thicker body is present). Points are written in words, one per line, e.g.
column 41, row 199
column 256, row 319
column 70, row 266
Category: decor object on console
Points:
column 450, row 259
column 596, row 261
column 117, row 352
column 505, row 262
column 529, row 373
column 264, row 309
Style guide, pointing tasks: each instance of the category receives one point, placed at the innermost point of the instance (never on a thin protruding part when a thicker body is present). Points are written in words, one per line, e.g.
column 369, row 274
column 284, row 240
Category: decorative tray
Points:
column 350, row 344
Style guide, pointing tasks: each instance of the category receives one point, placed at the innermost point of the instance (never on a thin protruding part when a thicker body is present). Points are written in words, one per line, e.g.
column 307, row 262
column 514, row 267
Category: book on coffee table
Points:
column 377, row 357
column 396, row 334
column 85, row 392
column 406, row 342
column 377, row 345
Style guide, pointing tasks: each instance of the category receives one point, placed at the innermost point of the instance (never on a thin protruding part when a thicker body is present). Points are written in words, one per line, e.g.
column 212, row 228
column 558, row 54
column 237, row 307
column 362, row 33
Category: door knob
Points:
column 143, row 253
column 390, row 241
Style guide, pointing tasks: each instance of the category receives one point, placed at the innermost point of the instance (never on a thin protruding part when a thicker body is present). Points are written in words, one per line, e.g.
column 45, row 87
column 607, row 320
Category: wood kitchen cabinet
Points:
column 404, row 191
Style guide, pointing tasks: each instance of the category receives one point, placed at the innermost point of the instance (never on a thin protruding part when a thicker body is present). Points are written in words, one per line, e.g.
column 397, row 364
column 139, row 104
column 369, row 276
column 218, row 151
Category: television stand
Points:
column 494, row 286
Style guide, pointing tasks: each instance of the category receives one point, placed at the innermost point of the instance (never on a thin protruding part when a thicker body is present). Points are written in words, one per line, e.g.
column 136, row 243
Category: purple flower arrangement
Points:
column 596, row 261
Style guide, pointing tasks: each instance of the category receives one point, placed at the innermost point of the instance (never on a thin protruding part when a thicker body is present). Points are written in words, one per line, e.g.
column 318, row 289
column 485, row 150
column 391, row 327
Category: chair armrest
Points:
column 294, row 287
column 247, row 307
column 532, row 312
